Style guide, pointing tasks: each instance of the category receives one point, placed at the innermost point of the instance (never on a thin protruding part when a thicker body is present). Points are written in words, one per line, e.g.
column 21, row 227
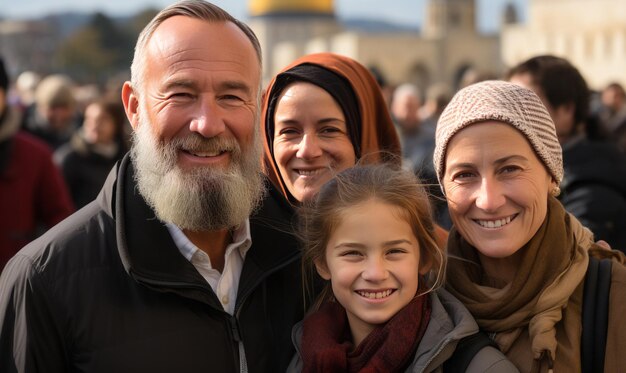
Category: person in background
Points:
column 437, row 97
column 182, row 264
column 25, row 88
column 516, row 258
column 417, row 144
column 594, row 185
column 383, row 308
column 93, row 150
column 385, row 88
column 613, row 114
column 55, row 116
column 33, row 195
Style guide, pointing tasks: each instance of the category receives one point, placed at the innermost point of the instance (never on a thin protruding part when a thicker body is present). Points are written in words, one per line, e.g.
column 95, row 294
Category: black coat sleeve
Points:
column 30, row 339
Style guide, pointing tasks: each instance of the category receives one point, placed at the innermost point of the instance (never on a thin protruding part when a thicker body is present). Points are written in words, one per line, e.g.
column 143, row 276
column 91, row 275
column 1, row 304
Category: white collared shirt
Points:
column 225, row 284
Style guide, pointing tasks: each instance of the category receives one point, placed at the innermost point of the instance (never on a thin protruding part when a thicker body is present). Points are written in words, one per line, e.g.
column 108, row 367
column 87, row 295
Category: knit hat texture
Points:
column 505, row 102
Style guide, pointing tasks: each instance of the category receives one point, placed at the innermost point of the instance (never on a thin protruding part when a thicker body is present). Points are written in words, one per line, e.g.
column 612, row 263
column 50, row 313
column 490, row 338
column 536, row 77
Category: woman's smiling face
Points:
column 496, row 186
column 311, row 141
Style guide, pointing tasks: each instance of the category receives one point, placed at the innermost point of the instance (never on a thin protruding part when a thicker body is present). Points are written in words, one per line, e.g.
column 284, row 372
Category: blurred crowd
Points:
column 59, row 140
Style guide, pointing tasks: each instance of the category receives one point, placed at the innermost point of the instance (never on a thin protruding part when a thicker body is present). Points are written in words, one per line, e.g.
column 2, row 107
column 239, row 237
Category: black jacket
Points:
column 594, row 189
column 107, row 290
column 84, row 170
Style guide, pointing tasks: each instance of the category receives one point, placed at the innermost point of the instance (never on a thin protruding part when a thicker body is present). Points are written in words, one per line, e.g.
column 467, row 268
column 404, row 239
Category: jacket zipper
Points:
column 243, row 363
column 234, row 328
column 433, row 356
column 234, row 320
column 245, row 295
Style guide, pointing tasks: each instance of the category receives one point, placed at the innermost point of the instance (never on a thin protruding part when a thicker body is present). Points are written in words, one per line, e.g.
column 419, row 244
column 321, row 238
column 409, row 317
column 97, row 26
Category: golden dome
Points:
column 268, row 7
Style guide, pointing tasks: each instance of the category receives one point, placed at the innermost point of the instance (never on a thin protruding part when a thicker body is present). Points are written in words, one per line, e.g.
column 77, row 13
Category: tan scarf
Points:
column 553, row 266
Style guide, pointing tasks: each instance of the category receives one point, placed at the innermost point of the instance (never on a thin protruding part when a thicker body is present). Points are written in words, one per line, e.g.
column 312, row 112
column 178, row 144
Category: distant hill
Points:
column 376, row 26
column 68, row 22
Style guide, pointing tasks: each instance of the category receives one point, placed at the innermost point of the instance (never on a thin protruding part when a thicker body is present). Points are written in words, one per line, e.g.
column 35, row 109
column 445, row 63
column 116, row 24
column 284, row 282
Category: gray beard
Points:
column 202, row 199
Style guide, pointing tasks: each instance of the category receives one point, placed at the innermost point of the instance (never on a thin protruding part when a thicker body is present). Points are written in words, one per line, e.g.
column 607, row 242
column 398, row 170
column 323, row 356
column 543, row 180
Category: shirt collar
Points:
column 241, row 239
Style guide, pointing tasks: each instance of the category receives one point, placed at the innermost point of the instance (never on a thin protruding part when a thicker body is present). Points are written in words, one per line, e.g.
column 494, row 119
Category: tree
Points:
column 97, row 50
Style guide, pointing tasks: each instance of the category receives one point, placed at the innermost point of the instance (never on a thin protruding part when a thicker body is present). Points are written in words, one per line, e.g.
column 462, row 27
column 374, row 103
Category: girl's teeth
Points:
column 375, row 295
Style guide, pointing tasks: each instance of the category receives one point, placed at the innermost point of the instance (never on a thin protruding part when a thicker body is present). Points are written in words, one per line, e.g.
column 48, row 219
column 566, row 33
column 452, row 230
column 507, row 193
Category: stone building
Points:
column 589, row 33
column 447, row 45
column 27, row 45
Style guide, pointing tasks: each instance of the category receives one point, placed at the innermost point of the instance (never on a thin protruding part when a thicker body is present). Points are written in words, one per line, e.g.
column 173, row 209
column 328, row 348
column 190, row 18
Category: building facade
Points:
column 447, row 45
column 589, row 33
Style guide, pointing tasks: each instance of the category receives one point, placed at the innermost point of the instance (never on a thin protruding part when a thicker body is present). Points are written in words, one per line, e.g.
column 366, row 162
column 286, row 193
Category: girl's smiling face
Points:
column 372, row 261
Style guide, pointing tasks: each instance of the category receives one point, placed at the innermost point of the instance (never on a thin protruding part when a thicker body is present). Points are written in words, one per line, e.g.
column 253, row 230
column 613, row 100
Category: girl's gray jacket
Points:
column 449, row 322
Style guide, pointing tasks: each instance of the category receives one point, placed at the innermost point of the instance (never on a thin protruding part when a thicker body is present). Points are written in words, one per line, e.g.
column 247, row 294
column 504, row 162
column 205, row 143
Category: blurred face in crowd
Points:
column 613, row 98
column 58, row 116
column 196, row 148
column 311, row 142
column 99, row 126
column 404, row 109
column 562, row 116
column 497, row 189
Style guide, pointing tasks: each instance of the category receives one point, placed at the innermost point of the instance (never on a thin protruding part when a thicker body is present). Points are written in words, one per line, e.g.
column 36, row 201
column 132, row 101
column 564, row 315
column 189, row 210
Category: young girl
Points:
column 369, row 234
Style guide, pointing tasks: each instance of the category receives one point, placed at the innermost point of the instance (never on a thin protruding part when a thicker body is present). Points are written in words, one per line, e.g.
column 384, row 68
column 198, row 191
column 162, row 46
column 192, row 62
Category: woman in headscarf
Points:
column 517, row 259
column 323, row 113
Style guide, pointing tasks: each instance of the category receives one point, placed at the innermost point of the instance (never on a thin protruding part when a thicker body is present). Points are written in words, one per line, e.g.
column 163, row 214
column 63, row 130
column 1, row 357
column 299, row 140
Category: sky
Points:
column 406, row 12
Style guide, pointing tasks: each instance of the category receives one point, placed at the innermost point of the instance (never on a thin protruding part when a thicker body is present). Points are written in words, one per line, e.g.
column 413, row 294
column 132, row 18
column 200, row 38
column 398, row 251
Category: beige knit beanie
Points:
column 505, row 102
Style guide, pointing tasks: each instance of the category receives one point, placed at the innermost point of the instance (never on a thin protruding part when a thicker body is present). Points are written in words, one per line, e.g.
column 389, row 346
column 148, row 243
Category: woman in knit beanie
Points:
column 517, row 259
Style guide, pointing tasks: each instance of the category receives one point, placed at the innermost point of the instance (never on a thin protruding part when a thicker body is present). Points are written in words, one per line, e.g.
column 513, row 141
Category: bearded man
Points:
column 184, row 262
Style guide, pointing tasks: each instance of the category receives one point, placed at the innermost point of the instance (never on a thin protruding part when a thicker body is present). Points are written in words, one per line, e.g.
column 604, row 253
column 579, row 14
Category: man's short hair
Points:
column 560, row 82
column 197, row 9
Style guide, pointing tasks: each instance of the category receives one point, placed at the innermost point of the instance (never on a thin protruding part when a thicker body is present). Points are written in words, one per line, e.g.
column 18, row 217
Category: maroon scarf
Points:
column 326, row 340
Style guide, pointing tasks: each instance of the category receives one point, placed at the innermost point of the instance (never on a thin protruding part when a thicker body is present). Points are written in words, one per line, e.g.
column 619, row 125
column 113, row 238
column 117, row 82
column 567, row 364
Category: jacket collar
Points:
column 149, row 254
column 145, row 245
column 450, row 321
